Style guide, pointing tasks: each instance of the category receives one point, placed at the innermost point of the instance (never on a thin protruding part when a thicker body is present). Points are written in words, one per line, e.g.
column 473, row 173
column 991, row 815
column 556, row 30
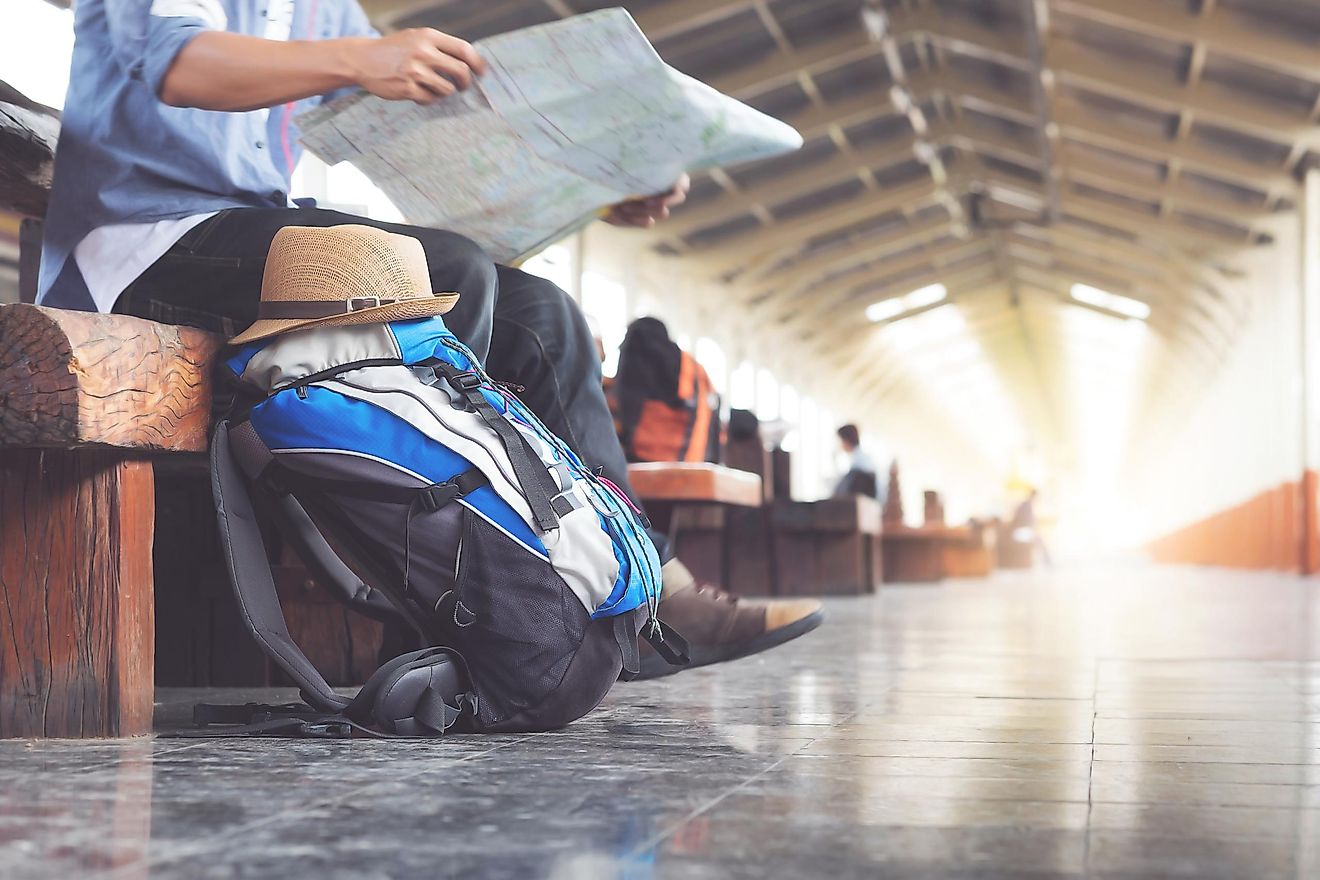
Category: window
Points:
column 554, row 264
column 342, row 188
column 742, row 387
column 711, row 356
column 605, row 301
column 767, row 395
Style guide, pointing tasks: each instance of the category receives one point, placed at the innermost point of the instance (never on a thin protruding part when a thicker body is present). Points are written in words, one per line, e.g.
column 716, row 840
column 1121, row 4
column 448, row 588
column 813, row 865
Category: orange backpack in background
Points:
column 678, row 433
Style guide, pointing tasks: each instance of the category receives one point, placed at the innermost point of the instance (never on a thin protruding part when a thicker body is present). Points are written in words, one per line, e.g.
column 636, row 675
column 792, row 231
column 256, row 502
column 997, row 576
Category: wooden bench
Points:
column 830, row 547
column 688, row 501
column 969, row 551
column 87, row 403
column 914, row 555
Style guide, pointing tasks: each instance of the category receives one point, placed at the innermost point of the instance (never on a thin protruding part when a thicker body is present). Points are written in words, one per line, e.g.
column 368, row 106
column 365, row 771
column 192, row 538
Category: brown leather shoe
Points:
column 719, row 626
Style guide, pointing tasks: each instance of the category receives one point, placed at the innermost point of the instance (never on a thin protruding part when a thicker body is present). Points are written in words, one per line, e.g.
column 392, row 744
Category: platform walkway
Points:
column 1125, row 723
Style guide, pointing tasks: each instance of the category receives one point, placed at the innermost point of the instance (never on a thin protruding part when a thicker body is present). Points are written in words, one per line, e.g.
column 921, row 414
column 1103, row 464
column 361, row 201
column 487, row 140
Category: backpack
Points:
column 687, row 432
column 415, row 486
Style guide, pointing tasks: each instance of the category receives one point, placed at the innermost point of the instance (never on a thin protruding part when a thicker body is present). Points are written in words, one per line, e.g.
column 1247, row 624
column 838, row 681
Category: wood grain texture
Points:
column 76, row 607
column 77, row 378
column 694, row 482
column 27, row 156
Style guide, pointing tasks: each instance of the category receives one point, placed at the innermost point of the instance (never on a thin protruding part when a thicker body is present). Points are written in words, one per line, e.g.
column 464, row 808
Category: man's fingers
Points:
column 460, row 49
column 430, row 86
column 453, row 69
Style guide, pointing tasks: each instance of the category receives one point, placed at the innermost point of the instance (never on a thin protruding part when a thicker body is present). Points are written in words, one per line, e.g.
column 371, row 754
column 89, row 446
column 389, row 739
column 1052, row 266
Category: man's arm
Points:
column 217, row 70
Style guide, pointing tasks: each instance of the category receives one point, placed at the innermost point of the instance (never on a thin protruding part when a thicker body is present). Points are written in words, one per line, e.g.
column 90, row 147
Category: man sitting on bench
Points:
column 172, row 177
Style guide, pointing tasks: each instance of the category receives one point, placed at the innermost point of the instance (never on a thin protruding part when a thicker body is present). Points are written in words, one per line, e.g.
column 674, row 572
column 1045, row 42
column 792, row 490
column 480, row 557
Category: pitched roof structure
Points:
column 1008, row 149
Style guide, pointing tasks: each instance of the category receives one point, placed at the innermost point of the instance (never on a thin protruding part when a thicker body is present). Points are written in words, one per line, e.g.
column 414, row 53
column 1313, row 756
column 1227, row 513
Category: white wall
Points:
column 1242, row 434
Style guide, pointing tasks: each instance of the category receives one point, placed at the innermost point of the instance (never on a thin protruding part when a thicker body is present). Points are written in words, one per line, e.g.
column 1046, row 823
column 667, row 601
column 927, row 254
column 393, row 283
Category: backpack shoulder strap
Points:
column 249, row 572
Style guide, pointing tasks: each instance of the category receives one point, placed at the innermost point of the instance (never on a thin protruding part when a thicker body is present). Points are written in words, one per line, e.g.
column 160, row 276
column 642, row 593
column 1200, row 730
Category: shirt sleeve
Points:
column 147, row 35
column 354, row 23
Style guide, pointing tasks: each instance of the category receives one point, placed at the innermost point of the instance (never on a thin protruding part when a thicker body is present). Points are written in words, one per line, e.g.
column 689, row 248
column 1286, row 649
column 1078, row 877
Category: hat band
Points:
column 317, row 308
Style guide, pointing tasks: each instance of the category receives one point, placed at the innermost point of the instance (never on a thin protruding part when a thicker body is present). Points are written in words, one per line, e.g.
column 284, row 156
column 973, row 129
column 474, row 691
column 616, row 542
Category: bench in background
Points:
column 830, row 547
column 688, row 501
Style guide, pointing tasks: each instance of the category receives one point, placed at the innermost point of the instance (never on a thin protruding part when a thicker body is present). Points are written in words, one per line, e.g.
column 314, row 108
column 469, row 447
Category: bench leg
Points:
column 76, row 611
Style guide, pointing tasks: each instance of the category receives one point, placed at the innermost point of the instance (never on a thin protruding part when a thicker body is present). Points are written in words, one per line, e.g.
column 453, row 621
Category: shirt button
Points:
column 261, row 145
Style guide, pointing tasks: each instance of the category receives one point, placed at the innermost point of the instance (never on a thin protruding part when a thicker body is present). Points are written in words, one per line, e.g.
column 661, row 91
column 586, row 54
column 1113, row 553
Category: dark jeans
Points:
column 526, row 329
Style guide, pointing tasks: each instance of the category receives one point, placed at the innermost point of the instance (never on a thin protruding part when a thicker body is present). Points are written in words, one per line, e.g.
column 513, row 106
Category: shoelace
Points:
column 716, row 593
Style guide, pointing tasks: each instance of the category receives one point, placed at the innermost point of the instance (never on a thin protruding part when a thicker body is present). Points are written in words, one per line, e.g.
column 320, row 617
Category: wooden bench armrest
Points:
column 73, row 379
column 695, row 482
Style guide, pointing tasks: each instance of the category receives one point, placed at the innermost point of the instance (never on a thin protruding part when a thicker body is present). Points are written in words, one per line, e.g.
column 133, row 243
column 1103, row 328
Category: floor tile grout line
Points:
column 208, row 843
column 1090, row 773
column 656, row 839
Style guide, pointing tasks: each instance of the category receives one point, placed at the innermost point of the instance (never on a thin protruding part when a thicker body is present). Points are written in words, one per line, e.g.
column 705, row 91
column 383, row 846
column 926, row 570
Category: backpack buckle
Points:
column 467, row 381
column 434, row 497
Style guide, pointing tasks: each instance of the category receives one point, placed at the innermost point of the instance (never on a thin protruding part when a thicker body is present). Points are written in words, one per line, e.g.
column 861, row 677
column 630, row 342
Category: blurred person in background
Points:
column 860, row 477
column 1026, row 530
column 668, row 410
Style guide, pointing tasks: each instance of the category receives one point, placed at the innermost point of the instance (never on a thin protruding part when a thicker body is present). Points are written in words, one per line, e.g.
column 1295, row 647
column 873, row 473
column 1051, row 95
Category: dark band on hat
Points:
column 309, row 309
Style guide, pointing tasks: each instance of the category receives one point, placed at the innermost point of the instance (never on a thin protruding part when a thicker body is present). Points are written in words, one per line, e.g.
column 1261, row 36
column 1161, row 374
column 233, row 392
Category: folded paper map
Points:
column 571, row 117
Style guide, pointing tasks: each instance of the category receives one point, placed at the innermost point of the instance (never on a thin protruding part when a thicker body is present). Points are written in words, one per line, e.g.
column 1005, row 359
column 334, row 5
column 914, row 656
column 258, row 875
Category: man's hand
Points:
column 645, row 213
column 223, row 71
column 421, row 65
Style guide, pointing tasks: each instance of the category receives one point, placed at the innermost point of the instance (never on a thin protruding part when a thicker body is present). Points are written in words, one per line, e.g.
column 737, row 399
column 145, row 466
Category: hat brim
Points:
column 409, row 310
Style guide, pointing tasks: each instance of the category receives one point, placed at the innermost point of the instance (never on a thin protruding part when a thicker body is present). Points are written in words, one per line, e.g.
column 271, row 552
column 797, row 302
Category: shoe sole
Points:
column 654, row 666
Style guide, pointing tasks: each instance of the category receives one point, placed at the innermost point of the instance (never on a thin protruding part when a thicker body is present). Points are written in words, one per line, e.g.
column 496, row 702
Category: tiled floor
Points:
column 1125, row 723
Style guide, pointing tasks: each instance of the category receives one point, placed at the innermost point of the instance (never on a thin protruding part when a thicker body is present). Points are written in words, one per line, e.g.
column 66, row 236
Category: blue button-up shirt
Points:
column 126, row 157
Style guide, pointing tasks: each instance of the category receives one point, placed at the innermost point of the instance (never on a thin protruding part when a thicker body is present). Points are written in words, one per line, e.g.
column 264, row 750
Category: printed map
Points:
column 571, row 117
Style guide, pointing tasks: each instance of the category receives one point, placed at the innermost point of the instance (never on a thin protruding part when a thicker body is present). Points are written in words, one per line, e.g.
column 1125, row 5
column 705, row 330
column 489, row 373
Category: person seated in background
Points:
column 1025, row 529
column 666, row 407
column 172, row 177
column 860, row 478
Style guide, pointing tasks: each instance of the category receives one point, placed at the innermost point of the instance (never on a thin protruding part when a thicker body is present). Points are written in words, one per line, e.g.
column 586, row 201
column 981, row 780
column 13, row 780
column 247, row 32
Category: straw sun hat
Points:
column 338, row 275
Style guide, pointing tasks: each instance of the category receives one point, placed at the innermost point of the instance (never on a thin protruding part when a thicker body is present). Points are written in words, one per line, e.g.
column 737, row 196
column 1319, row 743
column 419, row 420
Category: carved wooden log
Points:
column 76, row 379
column 27, row 155
column 76, row 520
column 75, row 593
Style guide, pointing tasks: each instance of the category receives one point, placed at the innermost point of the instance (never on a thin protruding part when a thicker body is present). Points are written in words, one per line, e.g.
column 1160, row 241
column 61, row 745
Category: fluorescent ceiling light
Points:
column 1111, row 302
column 920, row 298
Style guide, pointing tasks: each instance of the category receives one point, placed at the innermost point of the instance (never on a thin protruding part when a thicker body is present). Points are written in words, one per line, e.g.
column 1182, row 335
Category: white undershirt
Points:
column 112, row 257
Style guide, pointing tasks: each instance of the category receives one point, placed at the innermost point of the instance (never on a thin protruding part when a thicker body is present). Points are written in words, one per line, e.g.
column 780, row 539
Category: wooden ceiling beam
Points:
column 812, row 268
column 1060, row 240
column 1222, row 31
column 740, row 249
column 1209, row 101
column 676, row 16
column 843, row 347
column 777, row 191
column 839, row 293
column 1196, row 243
column 1117, row 277
column 782, row 68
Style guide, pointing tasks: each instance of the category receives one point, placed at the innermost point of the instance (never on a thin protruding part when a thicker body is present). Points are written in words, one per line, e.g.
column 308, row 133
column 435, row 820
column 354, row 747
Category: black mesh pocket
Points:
column 536, row 656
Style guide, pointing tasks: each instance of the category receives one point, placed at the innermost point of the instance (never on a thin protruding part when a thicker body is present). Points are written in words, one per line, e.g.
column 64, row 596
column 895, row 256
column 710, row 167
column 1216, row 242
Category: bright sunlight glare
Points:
column 36, row 43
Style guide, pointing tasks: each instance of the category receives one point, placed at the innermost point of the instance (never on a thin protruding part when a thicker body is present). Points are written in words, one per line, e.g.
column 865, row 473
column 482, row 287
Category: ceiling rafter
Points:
column 1216, row 28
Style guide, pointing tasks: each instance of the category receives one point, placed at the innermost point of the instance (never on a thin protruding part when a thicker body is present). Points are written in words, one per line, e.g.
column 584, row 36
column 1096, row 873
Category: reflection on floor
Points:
column 1131, row 723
